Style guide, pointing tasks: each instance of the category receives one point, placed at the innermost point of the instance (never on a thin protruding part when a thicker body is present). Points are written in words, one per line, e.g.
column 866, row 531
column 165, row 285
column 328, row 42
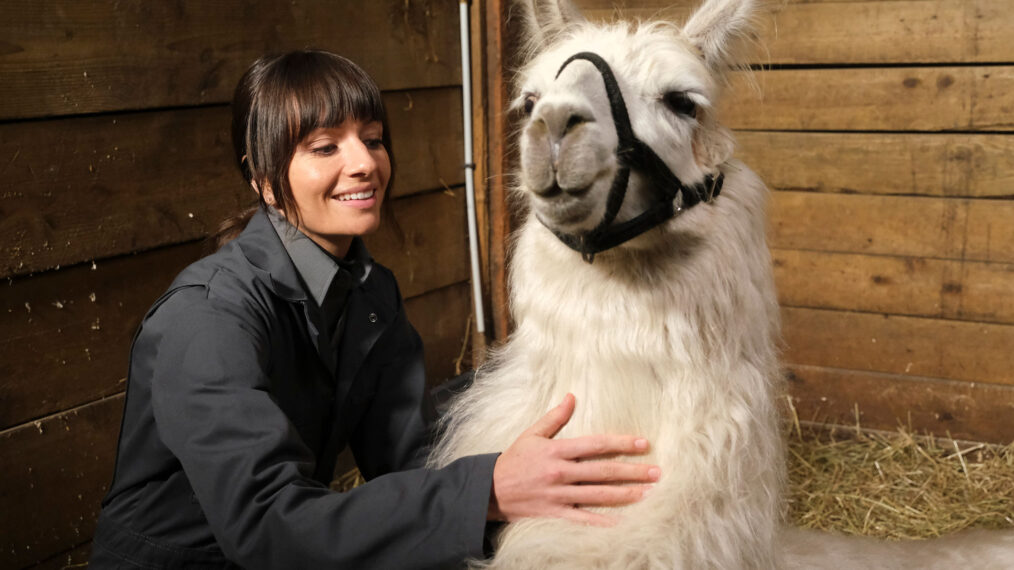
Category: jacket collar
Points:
column 263, row 248
column 368, row 313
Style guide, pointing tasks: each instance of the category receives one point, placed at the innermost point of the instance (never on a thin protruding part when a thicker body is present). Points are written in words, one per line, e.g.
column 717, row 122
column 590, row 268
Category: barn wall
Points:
column 116, row 163
column 884, row 128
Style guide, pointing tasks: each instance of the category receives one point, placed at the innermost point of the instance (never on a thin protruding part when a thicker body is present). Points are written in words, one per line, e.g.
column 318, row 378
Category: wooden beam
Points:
column 57, row 471
column 90, row 188
column 441, row 317
column 962, row 410
column 857, row 31
column 935, row 288
column 953, row 165
column 94, row 56
column 874, row 99
column 909, row 346
column 434, row 253
column 970, row 230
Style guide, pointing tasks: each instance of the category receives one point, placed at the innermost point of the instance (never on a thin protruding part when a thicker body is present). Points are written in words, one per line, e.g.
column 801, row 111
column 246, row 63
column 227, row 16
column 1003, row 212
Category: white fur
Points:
column 671, row 336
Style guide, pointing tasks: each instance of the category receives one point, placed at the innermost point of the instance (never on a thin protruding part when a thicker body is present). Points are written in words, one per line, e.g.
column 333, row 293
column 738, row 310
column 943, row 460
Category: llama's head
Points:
column 575, row 141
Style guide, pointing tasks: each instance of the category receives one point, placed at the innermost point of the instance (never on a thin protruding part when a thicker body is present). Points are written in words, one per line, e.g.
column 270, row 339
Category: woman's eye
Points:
column 680, row 103
column 374, row 143
column 324, row 149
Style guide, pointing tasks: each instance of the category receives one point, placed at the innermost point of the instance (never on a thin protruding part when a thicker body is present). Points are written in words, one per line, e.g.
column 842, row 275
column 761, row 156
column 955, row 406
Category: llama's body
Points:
column 697, row 368
column 670, row 336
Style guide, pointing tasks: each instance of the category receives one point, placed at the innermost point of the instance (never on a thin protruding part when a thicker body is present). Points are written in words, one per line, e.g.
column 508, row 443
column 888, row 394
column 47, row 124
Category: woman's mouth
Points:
column 365, row 195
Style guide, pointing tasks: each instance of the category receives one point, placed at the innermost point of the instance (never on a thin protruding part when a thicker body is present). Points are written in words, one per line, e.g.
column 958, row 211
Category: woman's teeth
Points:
column 356, row 195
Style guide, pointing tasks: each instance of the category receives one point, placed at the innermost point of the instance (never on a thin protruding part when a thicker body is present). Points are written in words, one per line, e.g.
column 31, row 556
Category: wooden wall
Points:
column 884, row 128
column 116, row 163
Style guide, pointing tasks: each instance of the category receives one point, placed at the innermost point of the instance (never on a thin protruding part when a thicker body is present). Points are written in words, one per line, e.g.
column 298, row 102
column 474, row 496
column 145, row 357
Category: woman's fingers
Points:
column 610, row 472
column 591, row 446
column 601, row 495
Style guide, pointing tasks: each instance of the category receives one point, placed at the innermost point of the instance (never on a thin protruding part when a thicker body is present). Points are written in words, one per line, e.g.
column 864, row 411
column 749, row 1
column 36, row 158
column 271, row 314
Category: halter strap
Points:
column 632, row 153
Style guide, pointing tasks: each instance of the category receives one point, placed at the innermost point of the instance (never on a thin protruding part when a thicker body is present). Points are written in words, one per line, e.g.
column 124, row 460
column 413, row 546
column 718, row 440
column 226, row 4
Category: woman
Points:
column 265, row 359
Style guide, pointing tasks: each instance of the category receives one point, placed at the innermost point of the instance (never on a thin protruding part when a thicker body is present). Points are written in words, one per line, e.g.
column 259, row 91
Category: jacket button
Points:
column 373, row 317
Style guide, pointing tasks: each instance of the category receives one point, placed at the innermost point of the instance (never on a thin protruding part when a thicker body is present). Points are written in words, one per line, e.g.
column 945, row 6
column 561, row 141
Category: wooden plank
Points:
column 56, row 472
column 874, row 99
column 971, row 291
column 957, row 165
column 910, row 346
column 858, row 31
column 502, row 155
column 60, row 348
column 962, row 410
column 427, row 139
column 74, row 558
column 90, row 188
column 441, row 317
column 60, row 58
column 970, row 230
column 65, row 335
column 434, row 253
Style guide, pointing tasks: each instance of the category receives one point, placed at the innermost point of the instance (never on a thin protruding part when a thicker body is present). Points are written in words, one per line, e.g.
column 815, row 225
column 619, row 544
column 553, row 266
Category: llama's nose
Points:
column 560, row 119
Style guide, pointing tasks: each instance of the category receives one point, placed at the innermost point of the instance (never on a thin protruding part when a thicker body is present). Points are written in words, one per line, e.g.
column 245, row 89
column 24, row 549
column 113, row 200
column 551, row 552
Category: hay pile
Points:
column 896, row 485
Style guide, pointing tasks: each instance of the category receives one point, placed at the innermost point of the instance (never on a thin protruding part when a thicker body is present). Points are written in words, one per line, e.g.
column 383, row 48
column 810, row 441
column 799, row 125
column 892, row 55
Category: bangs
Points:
column 325, row 90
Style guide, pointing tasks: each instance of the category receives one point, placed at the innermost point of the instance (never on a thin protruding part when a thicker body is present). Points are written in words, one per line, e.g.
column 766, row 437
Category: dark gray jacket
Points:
column 235, row 414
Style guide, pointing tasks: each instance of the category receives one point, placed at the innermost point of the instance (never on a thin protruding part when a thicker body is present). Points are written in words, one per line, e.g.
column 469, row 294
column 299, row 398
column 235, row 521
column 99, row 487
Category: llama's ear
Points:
column 720, row 28
column 544, row 20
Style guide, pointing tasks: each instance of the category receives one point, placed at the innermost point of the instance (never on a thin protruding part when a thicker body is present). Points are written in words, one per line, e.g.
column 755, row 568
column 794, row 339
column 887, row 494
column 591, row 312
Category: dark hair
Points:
column 279, row 101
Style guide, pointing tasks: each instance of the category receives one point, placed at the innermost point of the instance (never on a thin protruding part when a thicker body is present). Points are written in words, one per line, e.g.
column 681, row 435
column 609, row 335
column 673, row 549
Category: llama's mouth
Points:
column 563, row 211
column 554, row 192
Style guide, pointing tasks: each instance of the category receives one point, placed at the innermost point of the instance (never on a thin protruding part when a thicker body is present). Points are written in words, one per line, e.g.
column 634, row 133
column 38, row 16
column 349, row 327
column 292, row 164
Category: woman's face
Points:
column 338, row 177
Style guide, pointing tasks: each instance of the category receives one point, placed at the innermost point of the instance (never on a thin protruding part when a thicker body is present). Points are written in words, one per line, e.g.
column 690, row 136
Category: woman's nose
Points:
column 361, row 161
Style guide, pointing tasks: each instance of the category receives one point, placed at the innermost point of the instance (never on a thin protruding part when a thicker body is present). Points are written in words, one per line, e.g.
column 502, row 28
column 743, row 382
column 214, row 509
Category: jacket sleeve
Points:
column 251, row 472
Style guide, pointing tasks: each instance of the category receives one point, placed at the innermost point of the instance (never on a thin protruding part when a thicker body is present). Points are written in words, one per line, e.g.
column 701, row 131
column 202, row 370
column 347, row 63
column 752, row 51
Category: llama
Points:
column 641, row 283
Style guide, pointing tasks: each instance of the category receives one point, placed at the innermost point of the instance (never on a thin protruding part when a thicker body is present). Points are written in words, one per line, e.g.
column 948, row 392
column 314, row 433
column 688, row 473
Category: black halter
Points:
column 632, row 153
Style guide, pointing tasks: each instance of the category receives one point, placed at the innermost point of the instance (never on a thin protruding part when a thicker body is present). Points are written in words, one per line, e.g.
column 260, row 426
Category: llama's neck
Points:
column 675, row 323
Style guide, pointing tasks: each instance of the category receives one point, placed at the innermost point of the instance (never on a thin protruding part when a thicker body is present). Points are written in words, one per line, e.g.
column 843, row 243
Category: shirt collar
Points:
column 317, row 267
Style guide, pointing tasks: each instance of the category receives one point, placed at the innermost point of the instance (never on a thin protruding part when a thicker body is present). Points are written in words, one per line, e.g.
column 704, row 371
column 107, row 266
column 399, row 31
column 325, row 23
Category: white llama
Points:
column 656, row 308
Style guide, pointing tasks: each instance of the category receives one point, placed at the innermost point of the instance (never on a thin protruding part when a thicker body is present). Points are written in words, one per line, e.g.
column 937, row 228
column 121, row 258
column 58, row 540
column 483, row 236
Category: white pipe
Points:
column 473, row 234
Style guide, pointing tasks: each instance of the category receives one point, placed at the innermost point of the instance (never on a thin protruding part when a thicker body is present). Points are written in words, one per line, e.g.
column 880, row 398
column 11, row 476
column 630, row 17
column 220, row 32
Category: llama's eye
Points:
column 529, row 104
column 680, row 103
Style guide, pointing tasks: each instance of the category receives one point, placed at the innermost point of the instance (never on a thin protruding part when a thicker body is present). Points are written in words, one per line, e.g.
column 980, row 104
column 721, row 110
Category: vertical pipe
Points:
column 473, row 234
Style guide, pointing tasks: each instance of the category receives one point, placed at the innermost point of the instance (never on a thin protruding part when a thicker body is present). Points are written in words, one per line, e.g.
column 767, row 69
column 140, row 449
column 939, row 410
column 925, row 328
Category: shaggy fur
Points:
column 671, row 336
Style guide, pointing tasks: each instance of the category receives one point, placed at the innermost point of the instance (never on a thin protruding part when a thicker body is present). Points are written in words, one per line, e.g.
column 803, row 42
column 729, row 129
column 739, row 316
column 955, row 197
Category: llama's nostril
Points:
column 573, row 121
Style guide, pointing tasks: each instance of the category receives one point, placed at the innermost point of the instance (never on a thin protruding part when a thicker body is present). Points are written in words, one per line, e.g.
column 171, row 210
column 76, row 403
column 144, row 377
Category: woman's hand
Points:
column 541, row 477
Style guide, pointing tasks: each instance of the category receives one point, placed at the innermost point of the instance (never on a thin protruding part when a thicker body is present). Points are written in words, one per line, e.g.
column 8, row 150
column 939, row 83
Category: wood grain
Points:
column 65, row 335
column 909, row 346
column 874, row 99
column 970, row 230
column 946, row 165
column 963, row 410
column 95, row 187
column 913, row 286
column 434, row 252
column 88, row 56
column 441, row 316
column 57, row 471
column 857, row 31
